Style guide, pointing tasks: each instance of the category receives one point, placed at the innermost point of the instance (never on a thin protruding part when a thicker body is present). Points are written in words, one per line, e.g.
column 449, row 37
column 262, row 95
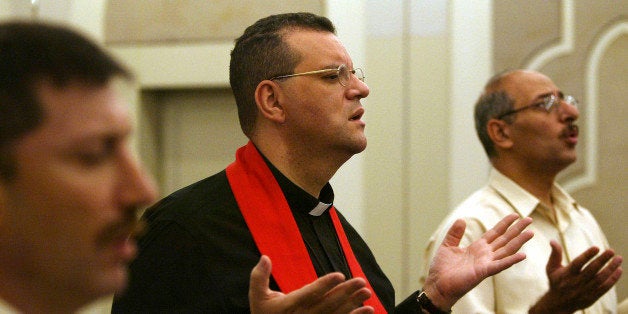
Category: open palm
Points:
column 456, row 270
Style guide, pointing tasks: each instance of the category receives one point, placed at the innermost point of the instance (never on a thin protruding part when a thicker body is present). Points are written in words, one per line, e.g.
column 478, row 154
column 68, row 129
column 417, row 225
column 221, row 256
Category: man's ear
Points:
column 499, row 132
column 268, row 96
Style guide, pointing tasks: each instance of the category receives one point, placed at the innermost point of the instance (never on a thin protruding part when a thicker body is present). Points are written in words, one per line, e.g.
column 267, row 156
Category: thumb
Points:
column 455, row 233
column 555, row 259
column 260, row 278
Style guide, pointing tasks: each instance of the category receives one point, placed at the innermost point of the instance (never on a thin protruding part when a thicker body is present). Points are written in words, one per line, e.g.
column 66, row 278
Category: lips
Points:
column 357, row 115
column 571, row 134
column 122, row 245
column 121, row 238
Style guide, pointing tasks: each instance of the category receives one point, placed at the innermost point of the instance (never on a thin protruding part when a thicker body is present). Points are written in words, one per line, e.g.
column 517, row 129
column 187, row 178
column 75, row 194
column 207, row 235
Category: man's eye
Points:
column 95, row 154
column 541, row 105
column 91, row 158
column 333, row 76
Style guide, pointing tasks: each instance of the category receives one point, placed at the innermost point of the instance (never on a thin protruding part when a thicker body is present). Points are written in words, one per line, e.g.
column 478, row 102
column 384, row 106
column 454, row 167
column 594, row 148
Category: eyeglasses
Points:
column 342, row 73
column 548, row 103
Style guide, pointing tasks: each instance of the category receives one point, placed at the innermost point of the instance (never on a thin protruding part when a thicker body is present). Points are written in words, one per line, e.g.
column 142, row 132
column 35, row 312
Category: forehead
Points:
column 317, row 49
column 525, row 86
column 78, row 110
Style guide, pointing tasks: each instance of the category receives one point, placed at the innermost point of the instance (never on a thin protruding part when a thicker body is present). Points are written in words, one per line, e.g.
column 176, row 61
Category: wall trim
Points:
column 589, row 176
column 566, row 44
column 178, row 65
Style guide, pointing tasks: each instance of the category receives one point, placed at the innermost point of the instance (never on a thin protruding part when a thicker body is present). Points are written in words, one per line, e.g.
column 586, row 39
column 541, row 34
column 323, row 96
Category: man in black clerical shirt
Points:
column 298, row 96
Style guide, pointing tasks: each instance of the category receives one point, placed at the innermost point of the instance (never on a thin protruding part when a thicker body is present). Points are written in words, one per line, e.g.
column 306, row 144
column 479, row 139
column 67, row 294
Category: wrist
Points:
column 426, row 305
column 543, row 306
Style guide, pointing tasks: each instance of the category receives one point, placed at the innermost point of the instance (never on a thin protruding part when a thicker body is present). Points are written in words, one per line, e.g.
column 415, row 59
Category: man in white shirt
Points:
column 527, row 127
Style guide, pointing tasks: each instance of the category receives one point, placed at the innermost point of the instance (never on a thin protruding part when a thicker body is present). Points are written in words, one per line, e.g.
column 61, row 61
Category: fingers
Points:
column 345, row 297
column 600, row 270
column 594, row 266
column 555, row 259
column 587, row 285
column 508, row 255
column 342, row 298
column 260, row 277
column 504, row 263
column 455, row 233
column 513, row 239
column 363, row 310
column 514, row 231
column 327, row 294
column 610, row 274
column 311, row 294
column 507, row 241
column 503, row 233
column 576, row 265
column 500, row 228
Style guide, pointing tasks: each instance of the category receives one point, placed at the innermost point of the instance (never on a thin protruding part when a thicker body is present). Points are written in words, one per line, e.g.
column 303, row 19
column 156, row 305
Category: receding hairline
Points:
column 498, row 82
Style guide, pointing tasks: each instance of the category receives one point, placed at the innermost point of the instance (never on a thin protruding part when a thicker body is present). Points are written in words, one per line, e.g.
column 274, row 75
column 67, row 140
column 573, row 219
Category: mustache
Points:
column 130, row 227
column 570, row 130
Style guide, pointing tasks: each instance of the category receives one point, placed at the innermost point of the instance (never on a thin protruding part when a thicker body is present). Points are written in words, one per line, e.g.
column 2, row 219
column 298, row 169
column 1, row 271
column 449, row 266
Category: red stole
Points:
column 273, row 227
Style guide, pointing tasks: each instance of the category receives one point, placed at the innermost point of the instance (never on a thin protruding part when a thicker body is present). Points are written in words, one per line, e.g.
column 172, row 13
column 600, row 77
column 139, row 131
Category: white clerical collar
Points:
column 319, row 209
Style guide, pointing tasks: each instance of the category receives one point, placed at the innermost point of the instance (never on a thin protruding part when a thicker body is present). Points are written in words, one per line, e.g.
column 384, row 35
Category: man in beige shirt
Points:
column 527, row 127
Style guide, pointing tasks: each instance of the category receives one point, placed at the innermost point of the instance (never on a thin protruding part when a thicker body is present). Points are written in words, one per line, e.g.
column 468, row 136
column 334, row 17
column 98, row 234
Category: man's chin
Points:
column 113, row 281
column 363, row 146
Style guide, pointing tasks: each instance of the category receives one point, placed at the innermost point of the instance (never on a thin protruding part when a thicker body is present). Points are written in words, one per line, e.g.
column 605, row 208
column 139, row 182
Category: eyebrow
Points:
column 333, row 66
column 543, row 96
column 330, row 67
column 561, row 95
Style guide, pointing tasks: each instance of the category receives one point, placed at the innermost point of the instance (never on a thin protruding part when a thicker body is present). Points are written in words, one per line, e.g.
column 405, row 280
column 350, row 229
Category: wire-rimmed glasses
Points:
column 548, row 103
column 342, row 73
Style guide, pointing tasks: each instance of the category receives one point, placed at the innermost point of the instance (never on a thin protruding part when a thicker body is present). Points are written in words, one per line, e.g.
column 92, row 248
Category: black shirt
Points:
column 197, row 254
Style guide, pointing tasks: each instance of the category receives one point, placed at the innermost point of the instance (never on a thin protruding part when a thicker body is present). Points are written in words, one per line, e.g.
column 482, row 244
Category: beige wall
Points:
column 197, row 128
column 407, row 154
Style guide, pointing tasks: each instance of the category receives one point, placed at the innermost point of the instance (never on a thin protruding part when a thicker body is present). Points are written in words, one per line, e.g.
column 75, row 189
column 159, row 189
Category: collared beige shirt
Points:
column 516, row 289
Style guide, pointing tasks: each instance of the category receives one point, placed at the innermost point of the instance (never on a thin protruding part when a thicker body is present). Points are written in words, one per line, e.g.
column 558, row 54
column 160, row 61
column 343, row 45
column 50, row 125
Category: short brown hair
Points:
column 260, row 53
column 493, row 102
column 32, row 52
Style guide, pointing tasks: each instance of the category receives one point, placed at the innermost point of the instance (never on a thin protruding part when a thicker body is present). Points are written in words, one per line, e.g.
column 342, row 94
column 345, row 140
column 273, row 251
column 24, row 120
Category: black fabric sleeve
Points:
column 409, row 305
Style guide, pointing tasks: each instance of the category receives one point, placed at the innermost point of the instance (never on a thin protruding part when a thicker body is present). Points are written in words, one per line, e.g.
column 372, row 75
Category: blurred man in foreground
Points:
column 69, row 184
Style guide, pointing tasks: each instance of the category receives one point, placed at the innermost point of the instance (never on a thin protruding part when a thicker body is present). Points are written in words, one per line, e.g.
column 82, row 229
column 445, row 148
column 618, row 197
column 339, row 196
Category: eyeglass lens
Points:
column 552, row 100
column 344, row 74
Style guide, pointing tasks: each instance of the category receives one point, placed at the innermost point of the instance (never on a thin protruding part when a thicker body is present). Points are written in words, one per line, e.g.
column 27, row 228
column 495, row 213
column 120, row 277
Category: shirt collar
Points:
column 521, row 200
column 300, row 199
column 563, row 202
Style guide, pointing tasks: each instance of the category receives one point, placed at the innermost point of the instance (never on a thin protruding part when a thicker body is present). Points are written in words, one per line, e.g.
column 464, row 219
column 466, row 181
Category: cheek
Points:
column 70, row 206
column 534, row 132
column 328, row 109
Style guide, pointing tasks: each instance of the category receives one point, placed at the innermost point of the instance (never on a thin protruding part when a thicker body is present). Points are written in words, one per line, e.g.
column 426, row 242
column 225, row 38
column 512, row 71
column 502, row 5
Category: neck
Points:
column 307, row 168
column 31, row 299
column 537, row 181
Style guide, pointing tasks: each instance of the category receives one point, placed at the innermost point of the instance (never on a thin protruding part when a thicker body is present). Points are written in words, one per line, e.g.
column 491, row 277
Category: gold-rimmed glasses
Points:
column 342, row 73
column 548, row 103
